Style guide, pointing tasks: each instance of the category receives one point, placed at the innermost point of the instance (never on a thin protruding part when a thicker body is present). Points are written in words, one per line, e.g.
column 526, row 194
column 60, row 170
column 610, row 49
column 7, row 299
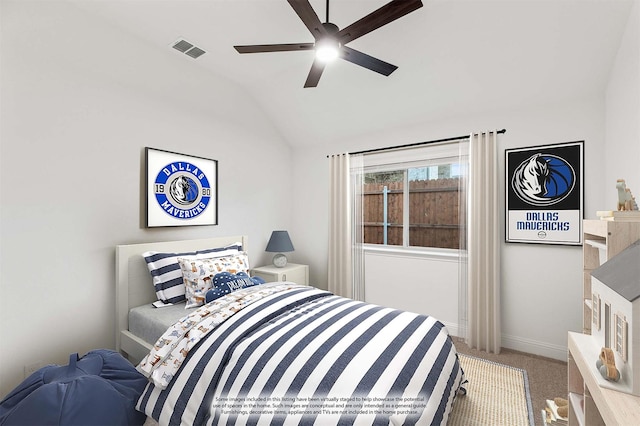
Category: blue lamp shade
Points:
column 278, row 243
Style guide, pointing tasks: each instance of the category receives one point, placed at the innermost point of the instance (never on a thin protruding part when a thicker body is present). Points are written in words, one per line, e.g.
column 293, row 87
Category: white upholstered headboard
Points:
column 134, row 286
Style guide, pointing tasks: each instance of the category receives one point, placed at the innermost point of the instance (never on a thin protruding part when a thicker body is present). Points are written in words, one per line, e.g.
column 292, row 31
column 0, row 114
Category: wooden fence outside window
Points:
column 433, row 213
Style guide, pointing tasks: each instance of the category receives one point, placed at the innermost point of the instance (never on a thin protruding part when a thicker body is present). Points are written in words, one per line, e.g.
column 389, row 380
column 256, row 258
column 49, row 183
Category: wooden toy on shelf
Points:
column 626, row 201
column 606, row 365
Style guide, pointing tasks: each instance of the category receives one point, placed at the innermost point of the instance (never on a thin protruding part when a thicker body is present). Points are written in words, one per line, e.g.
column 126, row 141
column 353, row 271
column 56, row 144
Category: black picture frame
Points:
column 544, row 194
column 181, row 189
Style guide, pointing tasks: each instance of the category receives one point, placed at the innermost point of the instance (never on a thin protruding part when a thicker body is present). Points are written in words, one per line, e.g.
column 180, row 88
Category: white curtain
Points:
column 463, row 201
column 483, row 328
column 357, row 228
column 345, row 262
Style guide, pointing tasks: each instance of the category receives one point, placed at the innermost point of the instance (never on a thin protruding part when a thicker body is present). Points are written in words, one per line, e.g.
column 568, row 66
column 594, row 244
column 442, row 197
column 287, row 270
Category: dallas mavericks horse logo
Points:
column 543, row 180
column 182, row 190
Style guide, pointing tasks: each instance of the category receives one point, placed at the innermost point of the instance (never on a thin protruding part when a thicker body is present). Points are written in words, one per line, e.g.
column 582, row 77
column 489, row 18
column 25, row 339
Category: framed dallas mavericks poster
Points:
column 545, row 194
column 181, row 189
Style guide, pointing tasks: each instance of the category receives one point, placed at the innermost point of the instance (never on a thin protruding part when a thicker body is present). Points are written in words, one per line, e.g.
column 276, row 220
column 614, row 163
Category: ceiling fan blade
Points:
column 364, row 60
column 384, row 15
column 263, row 48
column 314, row 74
column 308, row 16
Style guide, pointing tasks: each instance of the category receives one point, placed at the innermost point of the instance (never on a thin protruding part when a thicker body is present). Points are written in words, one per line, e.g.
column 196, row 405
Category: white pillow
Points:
column 198, row 274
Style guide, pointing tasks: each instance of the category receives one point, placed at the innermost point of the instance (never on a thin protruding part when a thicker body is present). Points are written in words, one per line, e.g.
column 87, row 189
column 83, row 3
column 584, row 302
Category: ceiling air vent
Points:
column 195, row 52
column 188, row 48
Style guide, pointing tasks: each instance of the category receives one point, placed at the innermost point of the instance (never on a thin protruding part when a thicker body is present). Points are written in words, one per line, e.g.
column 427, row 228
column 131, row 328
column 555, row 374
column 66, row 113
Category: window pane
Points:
column 433, row 197
column 619, row 333
column 373, row 207
column 433, row 206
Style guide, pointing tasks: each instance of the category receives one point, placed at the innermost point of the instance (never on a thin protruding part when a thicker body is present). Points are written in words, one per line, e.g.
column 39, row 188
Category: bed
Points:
column 280, row 353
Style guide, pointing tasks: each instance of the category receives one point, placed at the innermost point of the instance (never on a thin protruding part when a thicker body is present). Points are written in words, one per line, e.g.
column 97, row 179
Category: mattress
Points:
column 149, row 322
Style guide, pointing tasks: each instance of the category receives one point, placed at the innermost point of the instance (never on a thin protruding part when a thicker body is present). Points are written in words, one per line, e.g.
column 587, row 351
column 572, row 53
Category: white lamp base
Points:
column 279, row 260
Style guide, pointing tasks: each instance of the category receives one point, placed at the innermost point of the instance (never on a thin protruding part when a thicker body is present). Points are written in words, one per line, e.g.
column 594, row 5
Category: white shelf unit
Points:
column 577, row 406
column 592, row 400
column 592, row 404
column 603, row 239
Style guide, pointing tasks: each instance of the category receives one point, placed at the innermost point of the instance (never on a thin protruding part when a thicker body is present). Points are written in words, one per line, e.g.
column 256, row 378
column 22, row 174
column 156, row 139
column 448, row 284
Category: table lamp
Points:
column 278, row 243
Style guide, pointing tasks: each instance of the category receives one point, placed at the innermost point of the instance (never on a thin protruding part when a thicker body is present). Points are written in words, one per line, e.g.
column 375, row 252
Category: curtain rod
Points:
column 410, row 145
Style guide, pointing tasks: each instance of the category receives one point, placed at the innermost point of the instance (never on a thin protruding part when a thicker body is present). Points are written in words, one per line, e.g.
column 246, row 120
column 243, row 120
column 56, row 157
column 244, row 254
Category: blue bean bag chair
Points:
column 101, row 388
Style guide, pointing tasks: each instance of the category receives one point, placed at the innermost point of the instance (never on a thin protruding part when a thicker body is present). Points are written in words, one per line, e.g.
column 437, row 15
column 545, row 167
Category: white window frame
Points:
column 404, row 159
column 620, row 329
column 595, row 310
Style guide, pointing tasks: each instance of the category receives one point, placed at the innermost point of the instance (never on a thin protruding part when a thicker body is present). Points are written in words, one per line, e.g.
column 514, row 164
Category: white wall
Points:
column 80, row 101
column 623, row 115
column 541, row 283
column 414, row 283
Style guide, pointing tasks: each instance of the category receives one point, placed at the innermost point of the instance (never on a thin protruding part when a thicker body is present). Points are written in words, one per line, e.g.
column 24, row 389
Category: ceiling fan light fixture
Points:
column 327, row 33
column 327, row 50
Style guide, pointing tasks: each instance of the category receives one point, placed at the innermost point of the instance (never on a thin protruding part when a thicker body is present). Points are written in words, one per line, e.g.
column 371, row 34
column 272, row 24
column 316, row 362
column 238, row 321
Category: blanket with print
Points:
column 282, row 353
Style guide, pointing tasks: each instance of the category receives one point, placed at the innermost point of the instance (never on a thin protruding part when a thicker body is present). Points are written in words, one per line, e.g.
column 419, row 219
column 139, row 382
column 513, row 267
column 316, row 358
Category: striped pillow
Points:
column 167, row 275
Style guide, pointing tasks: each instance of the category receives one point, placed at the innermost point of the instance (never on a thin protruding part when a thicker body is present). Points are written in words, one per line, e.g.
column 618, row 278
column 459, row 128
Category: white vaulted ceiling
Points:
column 455, row 57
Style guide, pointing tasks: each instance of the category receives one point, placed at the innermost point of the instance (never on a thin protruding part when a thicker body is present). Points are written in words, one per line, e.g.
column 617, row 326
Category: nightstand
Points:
column 294, row 272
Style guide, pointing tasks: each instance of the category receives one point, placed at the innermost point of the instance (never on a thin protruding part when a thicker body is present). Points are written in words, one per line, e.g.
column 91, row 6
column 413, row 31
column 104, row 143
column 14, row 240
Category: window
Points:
column 414, row 203
column 383, row 204
column 607, row 325
column 620, row 335
column 595, row 310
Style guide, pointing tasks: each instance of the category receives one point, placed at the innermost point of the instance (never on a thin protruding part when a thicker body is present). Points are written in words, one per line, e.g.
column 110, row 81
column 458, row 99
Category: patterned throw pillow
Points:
column 167, row 276
column 198, row 274
column 225, row 283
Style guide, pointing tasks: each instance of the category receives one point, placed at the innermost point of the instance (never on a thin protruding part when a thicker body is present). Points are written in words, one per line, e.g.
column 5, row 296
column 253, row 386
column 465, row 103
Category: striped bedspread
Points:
column 296, row 355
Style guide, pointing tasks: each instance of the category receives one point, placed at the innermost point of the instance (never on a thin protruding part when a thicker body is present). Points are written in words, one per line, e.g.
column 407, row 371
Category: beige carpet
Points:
column 497, row 395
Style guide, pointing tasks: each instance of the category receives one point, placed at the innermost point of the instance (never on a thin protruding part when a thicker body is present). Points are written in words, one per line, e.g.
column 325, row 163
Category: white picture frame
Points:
column 181, row 189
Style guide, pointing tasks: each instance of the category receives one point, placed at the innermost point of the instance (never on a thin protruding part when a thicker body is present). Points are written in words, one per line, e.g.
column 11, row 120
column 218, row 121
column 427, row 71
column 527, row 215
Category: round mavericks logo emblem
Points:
column 543, row 180
column 182, row 190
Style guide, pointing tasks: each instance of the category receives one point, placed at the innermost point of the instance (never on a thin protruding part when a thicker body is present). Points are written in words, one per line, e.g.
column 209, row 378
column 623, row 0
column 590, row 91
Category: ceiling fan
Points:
column 330, row 41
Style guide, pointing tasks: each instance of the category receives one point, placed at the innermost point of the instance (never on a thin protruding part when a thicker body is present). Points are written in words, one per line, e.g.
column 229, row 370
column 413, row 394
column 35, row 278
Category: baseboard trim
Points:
column 521, row 344
column 452, row 328
column 535, row 347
